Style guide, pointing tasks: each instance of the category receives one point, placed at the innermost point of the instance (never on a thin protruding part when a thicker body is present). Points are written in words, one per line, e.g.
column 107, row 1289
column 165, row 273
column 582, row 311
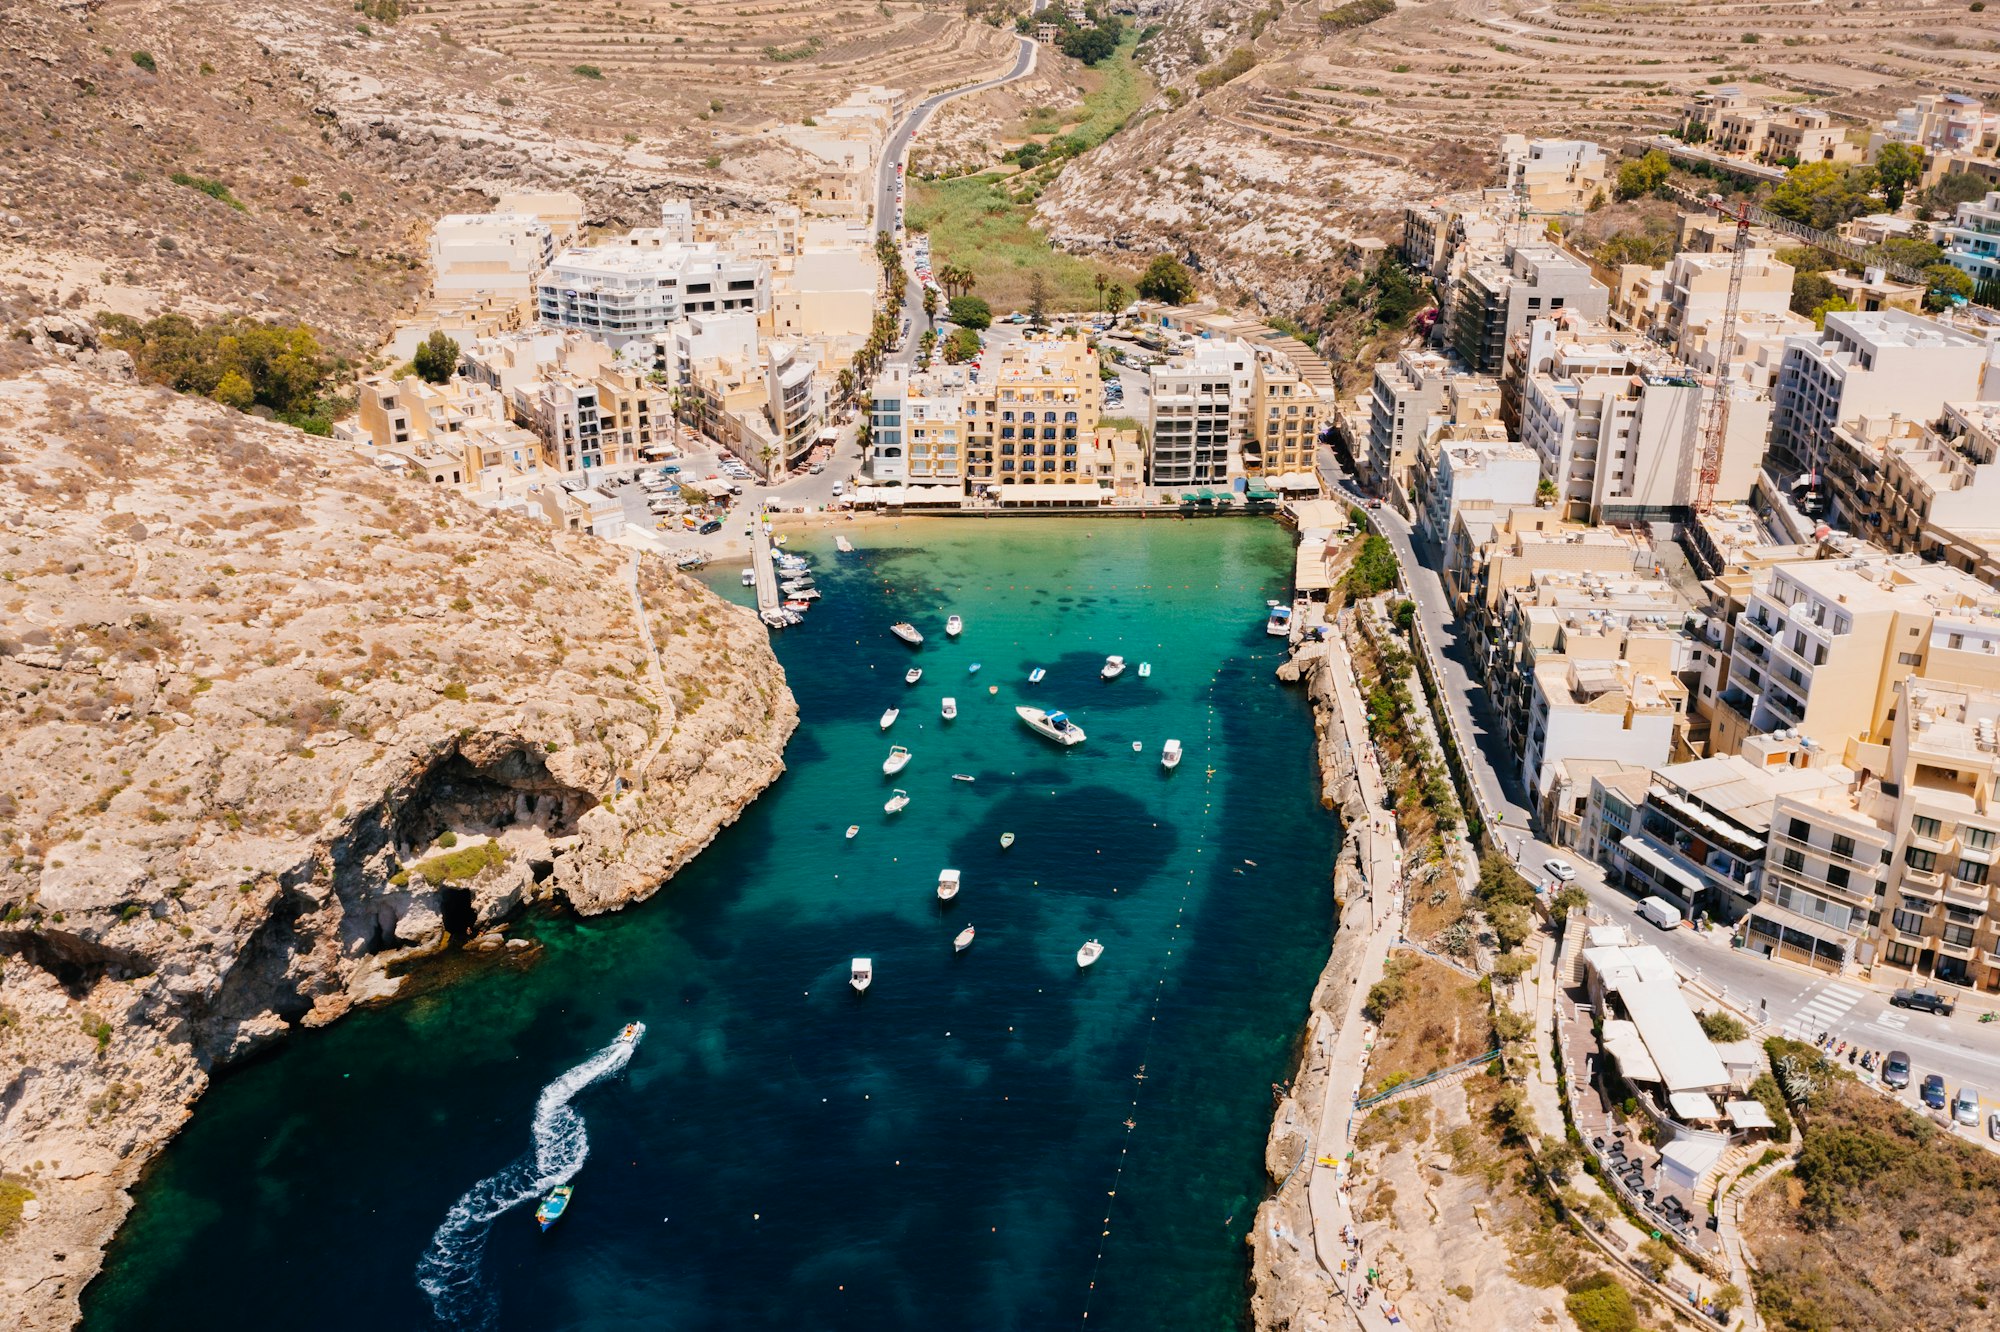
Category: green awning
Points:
column 1207, row 495
column 1224, row 497
column 1259, row 493
column 1188, row 497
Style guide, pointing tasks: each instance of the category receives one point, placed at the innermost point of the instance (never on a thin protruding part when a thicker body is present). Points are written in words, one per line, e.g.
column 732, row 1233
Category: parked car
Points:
column 1993, row 1125
column 838, row 490
column 817, row 468
column 1965, row 1107
column 1924, row 1001
column 1896, row 1070
column 1560, row 868
column 1932, row 1092
column 712, row 525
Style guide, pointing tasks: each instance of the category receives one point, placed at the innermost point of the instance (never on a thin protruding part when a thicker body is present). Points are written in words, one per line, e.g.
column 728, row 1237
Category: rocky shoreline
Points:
column 277, row 725
column 1288, row 1287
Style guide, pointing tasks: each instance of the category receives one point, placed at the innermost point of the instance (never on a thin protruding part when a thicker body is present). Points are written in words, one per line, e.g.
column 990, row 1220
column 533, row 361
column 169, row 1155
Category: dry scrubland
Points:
column 327, row 138
column 1259, row 181
column 273, row 724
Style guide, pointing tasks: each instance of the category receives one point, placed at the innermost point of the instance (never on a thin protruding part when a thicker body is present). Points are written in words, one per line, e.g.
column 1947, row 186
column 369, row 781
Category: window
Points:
column 1972, row 871
column 1909, row 658
column 1909, row 922
column 1836, row 876
column 1920, row 860
column 1902, row 955
column 1843, row 846
column 1793, row 859
column 1959, row 936
column 1923, row 826
column 1979, row 839
column 1801, row 831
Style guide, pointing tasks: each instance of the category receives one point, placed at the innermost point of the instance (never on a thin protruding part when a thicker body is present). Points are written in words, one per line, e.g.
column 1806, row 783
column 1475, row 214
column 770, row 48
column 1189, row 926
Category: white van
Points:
column 1661, row 912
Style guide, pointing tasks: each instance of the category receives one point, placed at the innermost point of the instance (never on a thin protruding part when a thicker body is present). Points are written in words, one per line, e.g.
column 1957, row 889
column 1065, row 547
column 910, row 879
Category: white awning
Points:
column 1622, row 1043
column 1749, row 1115
column 1296, row 481
column 1687, row 878
column 1688, row 1105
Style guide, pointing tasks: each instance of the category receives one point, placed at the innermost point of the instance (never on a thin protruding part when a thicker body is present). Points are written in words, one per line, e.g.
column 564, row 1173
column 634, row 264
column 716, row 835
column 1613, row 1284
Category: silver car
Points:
column 1965, row 1107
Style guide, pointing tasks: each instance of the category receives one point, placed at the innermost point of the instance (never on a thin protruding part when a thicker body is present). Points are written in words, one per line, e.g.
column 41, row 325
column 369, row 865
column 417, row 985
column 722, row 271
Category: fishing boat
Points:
column 1278, row 624
column 1170, row 757
column 963, row 777
column 852, row 829
column 1113, row 668
column 1089, row 953
column 947, row 885
column 950, row 708
column 1055, row 725
column 1006, row 840
column 899, row 759
column 552, row 1207
column 1035, row 676
column 861, row 973
column 953, row 627
column 908, row 632
column 914, row 674
column 889, row 717
column 798, row 606
column 843, row 545
column 1145, row 669
column 749, row 578
column 963, row 941
column 897, row 800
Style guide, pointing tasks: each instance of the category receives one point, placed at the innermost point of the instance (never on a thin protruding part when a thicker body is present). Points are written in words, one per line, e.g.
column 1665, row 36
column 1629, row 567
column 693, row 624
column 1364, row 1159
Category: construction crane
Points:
column 1715, row 412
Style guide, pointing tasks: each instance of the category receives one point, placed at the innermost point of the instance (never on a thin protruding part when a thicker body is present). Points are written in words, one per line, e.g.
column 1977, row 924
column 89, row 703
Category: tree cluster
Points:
column 276, row 369
column 1167, row 281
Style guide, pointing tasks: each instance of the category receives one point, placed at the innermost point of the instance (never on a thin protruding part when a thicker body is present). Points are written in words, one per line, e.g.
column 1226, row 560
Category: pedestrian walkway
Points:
column 1824, row 1010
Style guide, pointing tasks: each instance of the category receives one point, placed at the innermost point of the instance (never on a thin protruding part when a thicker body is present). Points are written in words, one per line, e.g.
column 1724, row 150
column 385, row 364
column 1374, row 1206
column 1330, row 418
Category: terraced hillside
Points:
column 1346, row 110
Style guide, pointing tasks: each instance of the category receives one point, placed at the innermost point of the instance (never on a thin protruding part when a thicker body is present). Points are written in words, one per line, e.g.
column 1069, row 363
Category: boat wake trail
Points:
column 449, row 1270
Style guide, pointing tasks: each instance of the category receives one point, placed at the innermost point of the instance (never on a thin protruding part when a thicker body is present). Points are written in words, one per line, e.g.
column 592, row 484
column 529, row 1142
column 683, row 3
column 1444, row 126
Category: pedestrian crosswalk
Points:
column 1823, row 1011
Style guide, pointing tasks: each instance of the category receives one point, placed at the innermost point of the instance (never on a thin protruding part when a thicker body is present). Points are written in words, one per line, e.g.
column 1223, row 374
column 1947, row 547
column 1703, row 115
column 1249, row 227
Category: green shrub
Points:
column 1599, row 1304
column 1355, row 14
column 287, row 371
column 1721, row 1026
column 587, row 71
column 447, row 839
column 144, row 60
column 214, row 189
column 14, row 1195
column 464, row 863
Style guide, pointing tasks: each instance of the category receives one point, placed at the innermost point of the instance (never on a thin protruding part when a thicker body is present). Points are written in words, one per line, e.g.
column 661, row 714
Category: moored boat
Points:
column 749, row 578
column 1006, row 840
column 899, row 759
column 963, row 941
column 1089, row 953
column 897, row 801
column 1145, row 669
column 908, row 632
column 947, row 885
column 1170, row 757
column 631, row 1032
column 861, row 973
column 1055, row 725
column 950, row 708
column 852, row 829
column 843, row 545
column 973, row 669
column 1114, row 666
column 914, row 674
column 953, row 627
column 1035, row 676
column 552, row 1207
column 963, row 777
column 889, row 717
column 1278, row 623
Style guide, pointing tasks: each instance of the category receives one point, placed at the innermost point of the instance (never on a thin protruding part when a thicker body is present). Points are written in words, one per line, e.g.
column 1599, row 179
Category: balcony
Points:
column 1927, row 884
column 1959, row 893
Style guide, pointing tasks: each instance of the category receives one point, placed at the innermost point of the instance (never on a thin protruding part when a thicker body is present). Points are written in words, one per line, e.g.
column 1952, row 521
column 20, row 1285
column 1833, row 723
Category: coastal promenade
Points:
column 1378, row 912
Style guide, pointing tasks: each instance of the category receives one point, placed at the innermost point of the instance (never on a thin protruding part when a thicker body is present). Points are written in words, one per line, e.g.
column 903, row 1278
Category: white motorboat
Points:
column 1138, row 745
column 908, row 632
column 749, row 578
column 1055, row 725
column 1089, row 953
column 889, row 717
column 899, row 759
column 950, row 708
column 1279, row 623
column 963, row 777
column 963, row 941
column 1006, row 840
column 953, row 627
column 1113, row 668
column 1170, row 757
column 843, row 545
column 914, row 674
column 1035, row 676
column 852, row 829
column 947, row 885
column 861, row 974
column 897, row 801
column 1145, row 669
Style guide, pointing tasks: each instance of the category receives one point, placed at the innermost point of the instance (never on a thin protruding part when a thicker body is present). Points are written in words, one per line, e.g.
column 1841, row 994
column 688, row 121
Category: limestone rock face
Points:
column 273, row 723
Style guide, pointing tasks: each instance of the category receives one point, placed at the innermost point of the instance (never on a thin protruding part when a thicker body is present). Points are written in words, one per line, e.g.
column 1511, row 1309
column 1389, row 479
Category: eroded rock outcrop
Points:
column 273, row 723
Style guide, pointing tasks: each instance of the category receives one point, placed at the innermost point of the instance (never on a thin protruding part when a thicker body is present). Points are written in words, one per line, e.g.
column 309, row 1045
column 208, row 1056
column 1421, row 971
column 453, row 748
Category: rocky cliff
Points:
column 274, row 723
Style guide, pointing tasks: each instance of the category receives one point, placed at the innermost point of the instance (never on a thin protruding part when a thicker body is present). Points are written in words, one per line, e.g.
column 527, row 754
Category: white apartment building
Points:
column 489, row 254
column 1972, row 238
column 627, row 292
column 1940, row 123
column 797, row 406
column 1492, row 302
column 1198, row 410
column 1550, row 174
column 1874, row 363
column 1605, row 691
column 1407, row 391
column 1695, row 293
column 1454, row 474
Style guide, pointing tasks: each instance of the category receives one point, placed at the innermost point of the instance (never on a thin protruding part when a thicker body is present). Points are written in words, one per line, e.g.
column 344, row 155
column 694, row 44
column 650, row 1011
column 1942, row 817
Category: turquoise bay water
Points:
column 947, row 1150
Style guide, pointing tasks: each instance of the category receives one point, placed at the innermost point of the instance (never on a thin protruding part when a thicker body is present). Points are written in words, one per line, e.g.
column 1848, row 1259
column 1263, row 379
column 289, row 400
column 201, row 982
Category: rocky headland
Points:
column 274, row 724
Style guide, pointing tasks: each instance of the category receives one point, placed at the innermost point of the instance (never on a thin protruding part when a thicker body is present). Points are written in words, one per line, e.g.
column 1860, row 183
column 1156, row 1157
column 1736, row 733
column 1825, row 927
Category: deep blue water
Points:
column 947, row 1150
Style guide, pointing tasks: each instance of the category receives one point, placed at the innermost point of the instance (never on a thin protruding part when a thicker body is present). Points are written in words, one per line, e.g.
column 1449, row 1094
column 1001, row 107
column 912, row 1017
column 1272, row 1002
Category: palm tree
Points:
column 1115, row 298
column 1102, row 283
